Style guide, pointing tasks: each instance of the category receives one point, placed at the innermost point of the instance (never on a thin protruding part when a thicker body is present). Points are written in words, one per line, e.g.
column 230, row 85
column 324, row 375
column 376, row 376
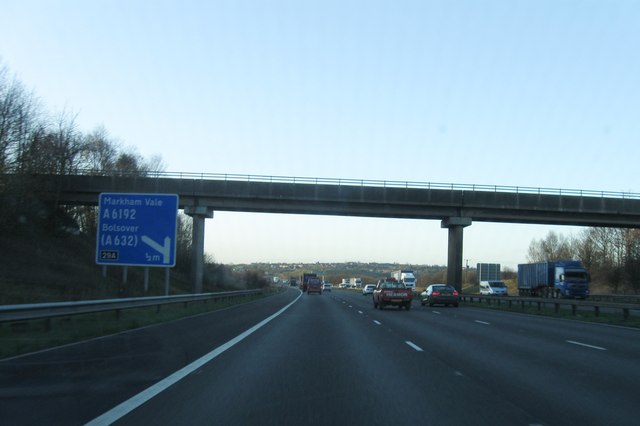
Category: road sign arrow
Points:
column 164, row 250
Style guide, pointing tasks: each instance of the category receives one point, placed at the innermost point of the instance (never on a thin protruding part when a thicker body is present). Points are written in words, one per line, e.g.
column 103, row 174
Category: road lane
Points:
column 332, row 358
column 76, row 383
column 527, row 361
column 322, row 362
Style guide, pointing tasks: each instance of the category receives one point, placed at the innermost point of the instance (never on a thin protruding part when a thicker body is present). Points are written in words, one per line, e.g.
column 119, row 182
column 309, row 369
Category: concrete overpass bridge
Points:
column 455, row 205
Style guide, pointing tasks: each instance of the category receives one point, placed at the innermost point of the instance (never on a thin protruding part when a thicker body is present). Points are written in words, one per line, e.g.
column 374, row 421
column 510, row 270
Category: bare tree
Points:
column 99, row 151
column 18, row 118
column 553, row 247
column 155, row 165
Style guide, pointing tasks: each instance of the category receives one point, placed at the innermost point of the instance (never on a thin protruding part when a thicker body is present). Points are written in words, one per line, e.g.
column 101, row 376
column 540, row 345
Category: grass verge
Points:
column 581, row 315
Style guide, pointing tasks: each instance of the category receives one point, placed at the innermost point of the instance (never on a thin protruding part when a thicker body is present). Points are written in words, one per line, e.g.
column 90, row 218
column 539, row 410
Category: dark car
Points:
column 314, row 285
column 441, row 294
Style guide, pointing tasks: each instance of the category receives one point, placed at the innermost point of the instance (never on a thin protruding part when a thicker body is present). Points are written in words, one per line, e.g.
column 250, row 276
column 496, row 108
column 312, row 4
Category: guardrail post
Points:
column 574, row 308
column 556, row 307
column 167, row 275
column 625, row 313
column 596, row 310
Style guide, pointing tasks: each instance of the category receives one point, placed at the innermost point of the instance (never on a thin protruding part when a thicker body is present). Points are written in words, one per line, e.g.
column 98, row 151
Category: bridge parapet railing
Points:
column 367, row 183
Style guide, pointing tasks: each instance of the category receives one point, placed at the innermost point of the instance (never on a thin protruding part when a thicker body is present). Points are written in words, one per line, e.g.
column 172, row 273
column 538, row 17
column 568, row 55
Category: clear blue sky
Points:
column 542, row 93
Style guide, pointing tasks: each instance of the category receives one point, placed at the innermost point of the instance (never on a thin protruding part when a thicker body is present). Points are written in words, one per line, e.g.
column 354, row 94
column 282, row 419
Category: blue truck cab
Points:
column 570, row 279
column 560, row 278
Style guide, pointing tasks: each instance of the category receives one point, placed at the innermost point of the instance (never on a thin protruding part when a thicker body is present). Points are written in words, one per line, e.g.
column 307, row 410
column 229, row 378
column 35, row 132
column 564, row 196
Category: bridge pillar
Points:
column 454, row 261
column 199, row 214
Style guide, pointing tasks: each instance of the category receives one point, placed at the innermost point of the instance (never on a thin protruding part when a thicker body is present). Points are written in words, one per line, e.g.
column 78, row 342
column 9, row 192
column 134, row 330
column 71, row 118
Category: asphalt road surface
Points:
column 332, row 359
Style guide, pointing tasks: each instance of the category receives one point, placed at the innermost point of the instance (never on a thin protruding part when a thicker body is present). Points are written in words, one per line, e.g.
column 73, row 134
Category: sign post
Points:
column 137, row 229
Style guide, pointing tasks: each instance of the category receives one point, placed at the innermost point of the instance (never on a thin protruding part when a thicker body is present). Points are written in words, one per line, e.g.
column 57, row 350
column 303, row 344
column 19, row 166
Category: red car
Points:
column 314, row 285
column 392, row 292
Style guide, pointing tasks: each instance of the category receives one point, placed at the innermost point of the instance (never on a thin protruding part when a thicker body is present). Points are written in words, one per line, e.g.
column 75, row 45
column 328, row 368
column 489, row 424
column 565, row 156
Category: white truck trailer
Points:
column 406, row 277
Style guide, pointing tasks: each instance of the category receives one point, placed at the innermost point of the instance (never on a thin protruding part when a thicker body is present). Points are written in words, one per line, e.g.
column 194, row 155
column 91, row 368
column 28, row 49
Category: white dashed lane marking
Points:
column 414, row 346
column 586, row 345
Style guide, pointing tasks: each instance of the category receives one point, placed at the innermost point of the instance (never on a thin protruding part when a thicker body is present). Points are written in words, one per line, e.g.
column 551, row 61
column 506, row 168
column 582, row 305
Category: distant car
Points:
column 326, row 286
column 440, row 294
column 368, row 289
column 343, row 285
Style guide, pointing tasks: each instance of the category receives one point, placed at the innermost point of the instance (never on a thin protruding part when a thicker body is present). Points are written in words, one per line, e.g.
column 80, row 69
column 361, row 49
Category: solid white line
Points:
column 377, row 322
column 414, row 346
column 134, row 402
column 482, row 322
column 585, row 345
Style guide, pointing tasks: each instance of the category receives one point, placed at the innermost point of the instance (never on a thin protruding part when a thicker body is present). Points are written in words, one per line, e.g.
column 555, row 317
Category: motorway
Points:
column 294, row 359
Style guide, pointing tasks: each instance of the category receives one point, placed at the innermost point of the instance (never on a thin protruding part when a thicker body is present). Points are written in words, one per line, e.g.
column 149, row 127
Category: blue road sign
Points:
column 137, row 229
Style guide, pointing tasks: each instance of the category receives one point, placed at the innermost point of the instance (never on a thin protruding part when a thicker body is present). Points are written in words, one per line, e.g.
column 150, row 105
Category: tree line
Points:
column 33, row 141
column 611, row 255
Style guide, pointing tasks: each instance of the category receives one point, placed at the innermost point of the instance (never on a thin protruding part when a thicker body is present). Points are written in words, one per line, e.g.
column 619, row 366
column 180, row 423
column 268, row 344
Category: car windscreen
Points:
column 392, row 285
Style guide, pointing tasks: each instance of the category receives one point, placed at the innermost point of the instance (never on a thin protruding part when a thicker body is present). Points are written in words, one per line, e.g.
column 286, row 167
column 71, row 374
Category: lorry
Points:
column 407, row 277
column 355, row 282
column 560, row 278
column 390, row 291
column 304, row 280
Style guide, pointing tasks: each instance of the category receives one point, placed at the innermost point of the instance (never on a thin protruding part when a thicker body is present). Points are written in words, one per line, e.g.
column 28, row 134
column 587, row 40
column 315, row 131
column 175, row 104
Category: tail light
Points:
column 455, row 293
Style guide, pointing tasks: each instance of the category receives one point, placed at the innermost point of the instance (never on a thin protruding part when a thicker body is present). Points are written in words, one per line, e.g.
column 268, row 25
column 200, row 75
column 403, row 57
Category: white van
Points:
column 493, row 288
